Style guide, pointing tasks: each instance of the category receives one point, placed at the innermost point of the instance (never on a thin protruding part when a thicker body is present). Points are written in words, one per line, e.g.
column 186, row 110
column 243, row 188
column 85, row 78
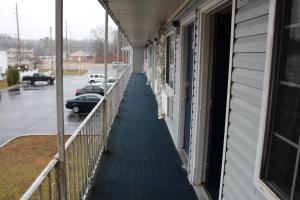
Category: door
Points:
column 189, row 86
column 217, row 99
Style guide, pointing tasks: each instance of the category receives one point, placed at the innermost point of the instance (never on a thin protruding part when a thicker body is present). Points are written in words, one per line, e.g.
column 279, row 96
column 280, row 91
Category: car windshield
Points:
column 97, row 88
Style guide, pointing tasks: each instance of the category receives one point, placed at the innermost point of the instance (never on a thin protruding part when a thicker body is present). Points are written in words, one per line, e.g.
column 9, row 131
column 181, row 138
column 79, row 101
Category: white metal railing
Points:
column 83, row 149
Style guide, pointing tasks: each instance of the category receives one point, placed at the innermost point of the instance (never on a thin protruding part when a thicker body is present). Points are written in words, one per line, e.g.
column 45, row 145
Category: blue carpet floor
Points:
column 142, row 161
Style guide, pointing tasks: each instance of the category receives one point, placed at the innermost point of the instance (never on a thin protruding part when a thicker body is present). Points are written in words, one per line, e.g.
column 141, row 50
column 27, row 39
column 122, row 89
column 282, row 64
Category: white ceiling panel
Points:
column 141, row 18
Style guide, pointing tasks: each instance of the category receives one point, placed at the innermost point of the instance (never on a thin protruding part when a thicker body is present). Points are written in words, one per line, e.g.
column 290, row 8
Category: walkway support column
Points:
column 60, row 98
column 123, row 52
column 105, row 80
column 118, row 45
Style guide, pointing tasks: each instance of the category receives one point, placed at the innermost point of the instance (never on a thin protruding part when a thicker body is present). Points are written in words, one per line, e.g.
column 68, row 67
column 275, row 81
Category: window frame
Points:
column 169, row 88
column 267, row 100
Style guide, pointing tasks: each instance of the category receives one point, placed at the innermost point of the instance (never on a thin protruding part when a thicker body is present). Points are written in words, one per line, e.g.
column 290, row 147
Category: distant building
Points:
column 81, row 56
column 25, row 57
column 3, row 64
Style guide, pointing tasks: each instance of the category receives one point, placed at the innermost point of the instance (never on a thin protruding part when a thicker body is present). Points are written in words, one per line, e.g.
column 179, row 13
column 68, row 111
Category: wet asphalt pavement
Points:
column 32, row 109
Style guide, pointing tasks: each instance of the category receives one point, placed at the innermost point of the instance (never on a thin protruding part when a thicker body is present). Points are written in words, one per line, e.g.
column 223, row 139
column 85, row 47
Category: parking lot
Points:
column 32, row 109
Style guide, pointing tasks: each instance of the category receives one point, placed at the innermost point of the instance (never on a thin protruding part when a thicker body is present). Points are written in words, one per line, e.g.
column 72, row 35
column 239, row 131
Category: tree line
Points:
column 42, row 47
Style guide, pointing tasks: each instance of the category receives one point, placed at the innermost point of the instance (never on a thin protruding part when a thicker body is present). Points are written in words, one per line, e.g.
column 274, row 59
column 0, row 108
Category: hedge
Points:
column 12, row 76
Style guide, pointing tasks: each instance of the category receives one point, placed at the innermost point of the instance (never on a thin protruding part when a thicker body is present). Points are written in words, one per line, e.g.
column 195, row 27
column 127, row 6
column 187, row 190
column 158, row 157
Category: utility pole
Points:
column 18, row 33
column 67, row 42
column 51, row 51
column 70, row 43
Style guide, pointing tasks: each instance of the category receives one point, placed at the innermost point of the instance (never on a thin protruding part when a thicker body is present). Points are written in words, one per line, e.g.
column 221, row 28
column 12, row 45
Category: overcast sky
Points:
column 36, row 16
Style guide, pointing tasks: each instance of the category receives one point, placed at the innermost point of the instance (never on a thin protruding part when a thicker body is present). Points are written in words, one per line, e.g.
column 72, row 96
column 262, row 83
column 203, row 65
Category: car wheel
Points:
column 75, row 109
column 92, row 82
column 49, row 81
column 29, row 81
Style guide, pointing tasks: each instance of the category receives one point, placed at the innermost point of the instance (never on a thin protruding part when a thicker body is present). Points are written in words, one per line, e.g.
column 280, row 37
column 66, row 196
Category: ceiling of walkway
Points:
column 141, row 18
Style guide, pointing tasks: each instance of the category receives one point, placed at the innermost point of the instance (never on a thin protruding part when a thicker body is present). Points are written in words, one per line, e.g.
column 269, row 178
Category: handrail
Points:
column 83, row 149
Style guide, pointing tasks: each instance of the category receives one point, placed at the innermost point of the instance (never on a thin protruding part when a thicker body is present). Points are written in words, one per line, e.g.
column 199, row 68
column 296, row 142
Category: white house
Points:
column 26, row 55
column 3, row 64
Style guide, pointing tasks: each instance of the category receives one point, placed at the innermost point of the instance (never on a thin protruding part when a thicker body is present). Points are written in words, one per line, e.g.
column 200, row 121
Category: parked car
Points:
column 83, row 103
column 110, row 82
column 38, row 77
column 94, row 78
column 90, row 89
column 117, row 64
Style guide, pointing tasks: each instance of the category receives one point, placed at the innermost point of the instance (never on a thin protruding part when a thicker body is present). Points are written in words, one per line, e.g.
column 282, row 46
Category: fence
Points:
column 83, row 149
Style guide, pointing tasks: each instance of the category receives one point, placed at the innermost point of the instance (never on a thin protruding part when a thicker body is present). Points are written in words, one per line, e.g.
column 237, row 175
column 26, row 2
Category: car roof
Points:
column 97, row 74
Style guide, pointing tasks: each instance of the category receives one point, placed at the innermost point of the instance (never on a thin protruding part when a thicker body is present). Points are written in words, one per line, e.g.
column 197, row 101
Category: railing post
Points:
column 60, row 99
column 105, row 82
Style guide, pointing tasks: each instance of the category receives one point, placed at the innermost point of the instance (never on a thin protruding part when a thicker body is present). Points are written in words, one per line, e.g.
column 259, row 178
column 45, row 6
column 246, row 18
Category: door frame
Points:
column 183, row 34
column 201, row 116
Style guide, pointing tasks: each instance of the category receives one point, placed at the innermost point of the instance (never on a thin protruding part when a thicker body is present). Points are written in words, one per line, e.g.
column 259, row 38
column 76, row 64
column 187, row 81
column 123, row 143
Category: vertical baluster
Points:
column 49, row 186
column 84, row 156
column 99, row 131
column 81, row 164
column 92, row 143
column 76, row 164
column 87, row 154
column 88, row 151
column 94, row 139
column 40, row 192
column 79, row 167
column 73, row 171
column 68, row 174
column 56, row 194
column 96, row 135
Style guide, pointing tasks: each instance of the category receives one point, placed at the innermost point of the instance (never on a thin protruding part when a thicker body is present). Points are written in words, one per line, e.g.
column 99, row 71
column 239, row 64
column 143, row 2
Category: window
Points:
column 92, row 98
column 80, row 98
column 88, row 88
column 281, row 158
column 170, row 62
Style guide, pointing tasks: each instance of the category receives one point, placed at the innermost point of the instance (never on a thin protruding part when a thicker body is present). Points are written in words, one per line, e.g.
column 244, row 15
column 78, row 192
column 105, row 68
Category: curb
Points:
column 12, row 87
column 25, row 135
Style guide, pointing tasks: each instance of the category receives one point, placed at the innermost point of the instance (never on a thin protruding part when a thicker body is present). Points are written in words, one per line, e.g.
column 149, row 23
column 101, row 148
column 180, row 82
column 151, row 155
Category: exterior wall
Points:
column 248, row 64
column 174, row 123
column 137, row 59
column 246, row 83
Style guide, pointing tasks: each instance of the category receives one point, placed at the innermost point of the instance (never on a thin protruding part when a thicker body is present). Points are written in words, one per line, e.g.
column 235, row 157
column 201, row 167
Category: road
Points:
column 32, row 109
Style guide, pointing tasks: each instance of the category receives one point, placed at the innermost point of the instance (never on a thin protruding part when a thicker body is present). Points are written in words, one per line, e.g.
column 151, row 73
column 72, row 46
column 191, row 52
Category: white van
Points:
column 94, row 78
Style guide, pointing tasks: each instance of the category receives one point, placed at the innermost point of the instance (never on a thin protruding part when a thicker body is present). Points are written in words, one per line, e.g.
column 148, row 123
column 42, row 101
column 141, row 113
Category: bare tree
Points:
column 97, row 41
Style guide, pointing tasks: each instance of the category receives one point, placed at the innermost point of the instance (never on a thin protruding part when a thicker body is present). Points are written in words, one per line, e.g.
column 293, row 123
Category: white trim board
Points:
column 260, row 185
column 184, row 23
column 199, row 132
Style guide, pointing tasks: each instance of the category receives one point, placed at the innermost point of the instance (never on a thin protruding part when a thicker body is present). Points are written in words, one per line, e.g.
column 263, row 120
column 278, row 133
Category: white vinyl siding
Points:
column 249, row 54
